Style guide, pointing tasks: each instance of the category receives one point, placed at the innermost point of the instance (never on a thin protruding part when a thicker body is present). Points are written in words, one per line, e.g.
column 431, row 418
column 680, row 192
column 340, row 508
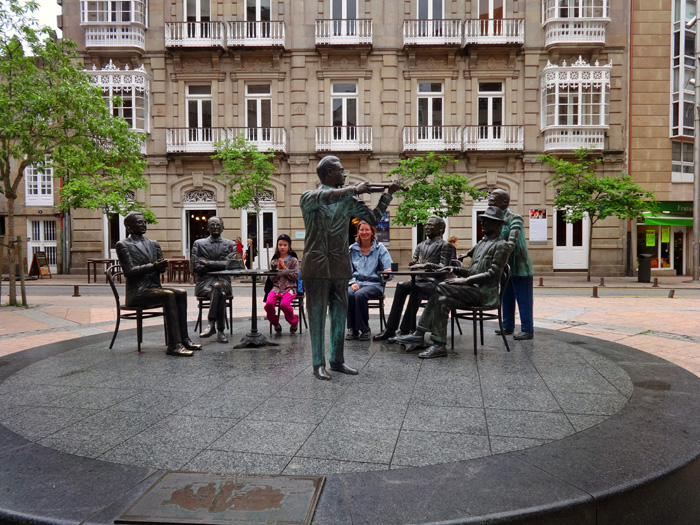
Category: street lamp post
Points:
column 695, row 244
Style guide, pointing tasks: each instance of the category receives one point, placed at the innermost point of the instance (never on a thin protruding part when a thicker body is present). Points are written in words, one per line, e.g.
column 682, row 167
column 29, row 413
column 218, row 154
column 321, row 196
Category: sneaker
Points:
column 523, row 336
column 293, row 328
column 278, row 328
column 365, row 335
column 506, row 331
column 352, row 334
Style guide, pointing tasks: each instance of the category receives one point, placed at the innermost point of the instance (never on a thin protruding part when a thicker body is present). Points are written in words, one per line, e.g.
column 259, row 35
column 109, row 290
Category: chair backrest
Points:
column 505, row 278
column 110, row 273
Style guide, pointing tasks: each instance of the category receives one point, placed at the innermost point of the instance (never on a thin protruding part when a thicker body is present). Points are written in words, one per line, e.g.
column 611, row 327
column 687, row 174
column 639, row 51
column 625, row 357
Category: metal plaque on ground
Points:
column 193, row 497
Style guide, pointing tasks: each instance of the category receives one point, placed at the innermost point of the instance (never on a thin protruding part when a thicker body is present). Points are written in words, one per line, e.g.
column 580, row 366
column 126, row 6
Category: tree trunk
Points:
column 11, row 262
column 590, row 244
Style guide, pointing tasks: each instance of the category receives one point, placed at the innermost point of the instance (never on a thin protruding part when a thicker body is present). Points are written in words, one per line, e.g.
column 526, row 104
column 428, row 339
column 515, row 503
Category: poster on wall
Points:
column 538, row 225
column 651, row 237
column 665, row 234
column 383, row 229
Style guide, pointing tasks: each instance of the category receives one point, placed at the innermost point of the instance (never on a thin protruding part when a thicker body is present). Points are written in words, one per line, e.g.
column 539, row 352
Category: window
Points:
column 576, row 95
column 575, row 9
column 344, row 111
column 430, row 103
column 114, row 11
column 38, row 185
column 682, row 162
column 126, row 93
column 3, row 230
column 198, row 13
column 258, row 11
column 258, row 111
column 490, row 110
column 199, row 113
column 683, row 69
column 430, row 15
column 344, row 14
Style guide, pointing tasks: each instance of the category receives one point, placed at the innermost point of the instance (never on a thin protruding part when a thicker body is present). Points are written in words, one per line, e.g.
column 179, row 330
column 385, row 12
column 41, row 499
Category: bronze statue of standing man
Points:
column 327, row 212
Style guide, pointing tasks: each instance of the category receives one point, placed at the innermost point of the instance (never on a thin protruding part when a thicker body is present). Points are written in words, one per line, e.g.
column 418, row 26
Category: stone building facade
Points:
column 493, row 83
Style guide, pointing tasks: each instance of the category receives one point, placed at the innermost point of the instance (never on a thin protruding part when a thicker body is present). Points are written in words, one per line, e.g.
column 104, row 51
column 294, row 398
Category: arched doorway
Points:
column 197, row 207
column 266, row 223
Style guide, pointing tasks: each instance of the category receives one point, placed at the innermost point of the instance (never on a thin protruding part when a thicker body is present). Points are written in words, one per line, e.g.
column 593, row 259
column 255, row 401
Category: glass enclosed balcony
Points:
column 575, row 22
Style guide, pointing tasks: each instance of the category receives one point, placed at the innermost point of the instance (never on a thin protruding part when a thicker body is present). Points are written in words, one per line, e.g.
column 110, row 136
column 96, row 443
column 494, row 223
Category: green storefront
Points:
column 665, row 235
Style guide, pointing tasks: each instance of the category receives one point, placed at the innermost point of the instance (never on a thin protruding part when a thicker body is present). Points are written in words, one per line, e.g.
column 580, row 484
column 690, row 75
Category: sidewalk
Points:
column 665, row 327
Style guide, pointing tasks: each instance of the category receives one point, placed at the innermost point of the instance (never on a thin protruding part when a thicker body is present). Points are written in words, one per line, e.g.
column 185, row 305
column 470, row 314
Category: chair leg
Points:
column 503, row 333
column 458, row 325
column 481, row 327
column 474, row 328
column 230, row 316
column 139, row 329
column 198, row 325
column 452, row 329
column 116, row 329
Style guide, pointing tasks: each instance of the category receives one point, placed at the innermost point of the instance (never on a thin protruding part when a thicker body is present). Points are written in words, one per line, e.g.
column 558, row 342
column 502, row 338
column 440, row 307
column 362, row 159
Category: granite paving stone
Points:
column 218, row 403
column 415, row 449
column 538, row 425
column 445, row 419
column 591, row 404
column 581, row 421
column 301, row 410
column 368, row 412
column 226, row 461
column 313, row 466
column 440, row 394
column 37, row 423
column 349, row 442
column 511, row 398
column 151, row 455
column 501, row 445
column 264, row 437
column 192, row 431
column 156, row 401
column 92, row 398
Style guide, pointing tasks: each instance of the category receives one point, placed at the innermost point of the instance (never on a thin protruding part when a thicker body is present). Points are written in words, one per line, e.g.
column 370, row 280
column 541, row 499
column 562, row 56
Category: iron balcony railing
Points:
column 432, row 138
column 344, row 32
column 343, row 138
column 194, row 34
column 265, row 139
column 203, row 140
column 494, row 31
column 432, row 32
column 255, row 34
column 493, row 138
column 574, row 137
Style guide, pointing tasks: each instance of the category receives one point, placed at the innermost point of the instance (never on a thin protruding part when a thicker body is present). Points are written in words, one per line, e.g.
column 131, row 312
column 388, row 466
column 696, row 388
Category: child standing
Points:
column 284, row 285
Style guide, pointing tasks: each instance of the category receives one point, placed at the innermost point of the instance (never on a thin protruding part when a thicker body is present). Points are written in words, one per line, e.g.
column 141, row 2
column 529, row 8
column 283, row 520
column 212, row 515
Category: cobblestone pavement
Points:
column 625, row 311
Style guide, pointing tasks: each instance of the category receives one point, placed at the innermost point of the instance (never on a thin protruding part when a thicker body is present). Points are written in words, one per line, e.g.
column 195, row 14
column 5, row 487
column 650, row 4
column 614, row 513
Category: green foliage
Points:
column 245, row 171
column 49, row 110
column 581, row 191
column 432, row 189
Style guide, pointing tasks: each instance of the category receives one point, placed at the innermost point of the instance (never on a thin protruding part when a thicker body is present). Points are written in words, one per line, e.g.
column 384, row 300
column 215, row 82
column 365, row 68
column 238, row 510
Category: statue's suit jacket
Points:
column 137, row 260
column 436, row 251
column 216, row 250
column 489, row 257
column 327, row 214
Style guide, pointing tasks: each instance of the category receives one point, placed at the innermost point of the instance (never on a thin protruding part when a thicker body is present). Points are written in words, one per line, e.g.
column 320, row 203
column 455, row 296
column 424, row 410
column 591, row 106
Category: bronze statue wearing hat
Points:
column 210, row 255
column 142, row 262
column 476, row 285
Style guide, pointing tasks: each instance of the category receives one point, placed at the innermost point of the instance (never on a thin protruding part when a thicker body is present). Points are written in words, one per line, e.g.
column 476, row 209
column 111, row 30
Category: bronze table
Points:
column 253, row 338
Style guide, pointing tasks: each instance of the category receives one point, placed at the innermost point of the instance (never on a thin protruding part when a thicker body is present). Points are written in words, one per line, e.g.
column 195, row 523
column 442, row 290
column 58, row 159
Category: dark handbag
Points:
column 268, row 288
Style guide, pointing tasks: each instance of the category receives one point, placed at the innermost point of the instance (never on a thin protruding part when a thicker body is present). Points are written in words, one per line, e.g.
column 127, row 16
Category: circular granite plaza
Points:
column 562, row 429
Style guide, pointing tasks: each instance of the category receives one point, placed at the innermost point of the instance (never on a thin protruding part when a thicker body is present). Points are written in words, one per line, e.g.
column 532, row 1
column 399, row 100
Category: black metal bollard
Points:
column 671, row 293
column 595, row 292
column 76, row 291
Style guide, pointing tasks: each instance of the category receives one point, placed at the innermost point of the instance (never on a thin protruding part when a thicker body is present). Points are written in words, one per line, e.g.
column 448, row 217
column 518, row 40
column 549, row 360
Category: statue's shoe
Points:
column 180, row 351
column 221, row 337
column 187, row 343
column 320, row 373
column 208, row 331
column 436, row 350
column 343, row 369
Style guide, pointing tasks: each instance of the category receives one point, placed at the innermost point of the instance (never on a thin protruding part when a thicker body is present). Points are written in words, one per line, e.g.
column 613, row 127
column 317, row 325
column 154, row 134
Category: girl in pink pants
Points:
column 284, row 285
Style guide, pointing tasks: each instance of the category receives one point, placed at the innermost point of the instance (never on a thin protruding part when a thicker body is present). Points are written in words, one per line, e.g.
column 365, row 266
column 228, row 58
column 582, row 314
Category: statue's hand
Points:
column 457, row 281
column 161, row 265
column 362, row 187
column 395, row 186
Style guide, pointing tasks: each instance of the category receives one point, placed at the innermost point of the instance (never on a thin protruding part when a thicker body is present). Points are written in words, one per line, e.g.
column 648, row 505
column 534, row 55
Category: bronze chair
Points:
column 378, row 304
column 479, row 313
column 297, row 302
column 205, row 302
column 131, row 312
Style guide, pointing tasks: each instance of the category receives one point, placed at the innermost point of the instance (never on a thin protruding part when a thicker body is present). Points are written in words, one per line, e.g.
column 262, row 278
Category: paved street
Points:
column 626, row 312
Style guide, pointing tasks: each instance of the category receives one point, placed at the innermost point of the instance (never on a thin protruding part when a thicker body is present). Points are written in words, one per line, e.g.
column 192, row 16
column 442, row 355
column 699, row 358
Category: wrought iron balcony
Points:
column 115, row 35
column 347, row 32
column 265, row 139
column 432, row 32
column 493, row 138
column 432, row 138
column 575, row 31
column 255, row 34
column 574, row 137
column 194, row 34
column 343, row 138
column 193, row 140
column 494, row 31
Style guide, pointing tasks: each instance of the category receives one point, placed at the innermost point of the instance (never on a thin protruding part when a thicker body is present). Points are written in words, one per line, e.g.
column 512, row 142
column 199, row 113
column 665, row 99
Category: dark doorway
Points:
column 197, row 222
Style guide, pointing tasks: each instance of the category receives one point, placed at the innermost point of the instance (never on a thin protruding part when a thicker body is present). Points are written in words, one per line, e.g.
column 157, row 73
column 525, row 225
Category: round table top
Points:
column 252, row 271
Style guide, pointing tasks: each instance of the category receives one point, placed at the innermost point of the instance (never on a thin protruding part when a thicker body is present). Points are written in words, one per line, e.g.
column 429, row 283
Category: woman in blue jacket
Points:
column 369, row 259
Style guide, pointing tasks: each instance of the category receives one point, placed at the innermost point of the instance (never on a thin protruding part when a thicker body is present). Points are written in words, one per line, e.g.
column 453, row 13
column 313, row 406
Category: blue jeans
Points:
column 358, row 310
column 519, row 289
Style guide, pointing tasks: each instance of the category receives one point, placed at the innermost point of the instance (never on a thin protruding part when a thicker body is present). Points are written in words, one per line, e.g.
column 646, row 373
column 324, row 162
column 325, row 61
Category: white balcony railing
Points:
column 193, row 140
column 432, row 138
column 344, row 32
column 575, row 31
column 493, row 138
column 343, row 138
column 115, row 35
column 194, row 34
column 574, row 137
column 255, row 34
column 432, row 32
column 494, row 31
column 265, row 139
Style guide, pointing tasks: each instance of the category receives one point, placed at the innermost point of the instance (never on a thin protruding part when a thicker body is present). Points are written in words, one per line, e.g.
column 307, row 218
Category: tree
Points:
column 246, row 173
column 51, row 112
column 432, row 189
column 582, row 192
